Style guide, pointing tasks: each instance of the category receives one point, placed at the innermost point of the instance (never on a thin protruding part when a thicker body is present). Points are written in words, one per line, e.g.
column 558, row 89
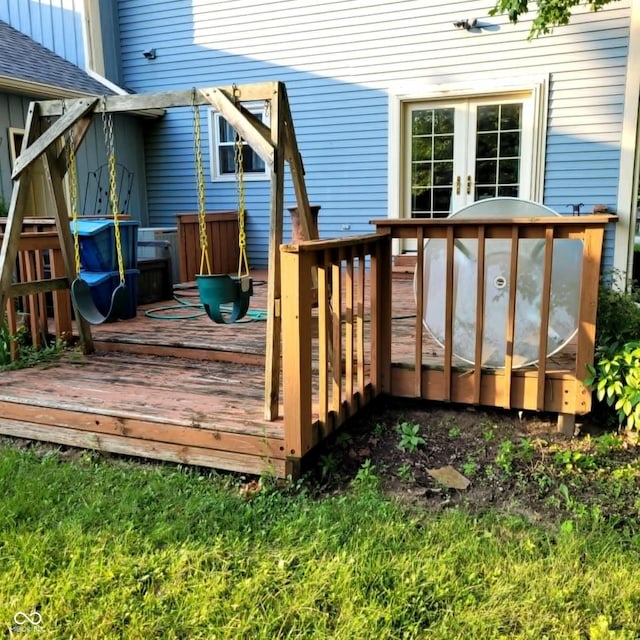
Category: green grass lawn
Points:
column 107, row 548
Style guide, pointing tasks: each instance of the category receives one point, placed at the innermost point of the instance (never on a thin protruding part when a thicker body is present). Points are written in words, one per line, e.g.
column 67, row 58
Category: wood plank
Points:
column 545, row 308
column 54, row 181
column 323, row 346
column 511, row 316
column 480, row 298
column 336, row 331
column 36, row 286
column 126, row 445
column 15, row 216
column 243, row 122
column 448, row 312
column 141, row 102
column 210, row 437
column 273, row 346
column 349, row 352
column 419, row 279
column 296, row 323
column 35, row 149
column 360, row 324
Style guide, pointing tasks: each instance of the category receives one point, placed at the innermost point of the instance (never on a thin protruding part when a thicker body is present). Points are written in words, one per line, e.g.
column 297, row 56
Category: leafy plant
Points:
column 405, row 473
column 366, row 477
column 28, row 355
column 616, row 380
column 410, row 438
column 615, row 376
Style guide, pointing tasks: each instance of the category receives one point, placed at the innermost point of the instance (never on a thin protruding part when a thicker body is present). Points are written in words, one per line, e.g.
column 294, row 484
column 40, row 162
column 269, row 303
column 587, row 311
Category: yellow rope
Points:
column 202, row 216
column 107, row 127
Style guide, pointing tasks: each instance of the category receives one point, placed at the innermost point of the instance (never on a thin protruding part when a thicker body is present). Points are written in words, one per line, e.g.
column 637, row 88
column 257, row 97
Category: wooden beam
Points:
column 56, row 195
column 243, row 122
column 79, row 132
column 274, row 286
column 309, row 230
column 35, row 149
column 37, row 286
column 140, row 102
column 13, row 227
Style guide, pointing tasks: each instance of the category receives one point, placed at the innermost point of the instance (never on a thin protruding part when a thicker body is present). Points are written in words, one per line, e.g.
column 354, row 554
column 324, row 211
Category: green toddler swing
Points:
column 80, row 289
column 219, row 291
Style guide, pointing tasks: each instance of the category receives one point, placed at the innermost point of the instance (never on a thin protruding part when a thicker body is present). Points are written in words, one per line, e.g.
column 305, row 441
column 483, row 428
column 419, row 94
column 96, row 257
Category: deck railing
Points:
column 546, row 383
column 40, row 291
column 336, row 341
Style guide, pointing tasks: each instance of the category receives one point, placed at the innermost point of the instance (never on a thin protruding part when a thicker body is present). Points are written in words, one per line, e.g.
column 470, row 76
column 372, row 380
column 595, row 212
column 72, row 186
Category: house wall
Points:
column 342, row 62
column 55, row 24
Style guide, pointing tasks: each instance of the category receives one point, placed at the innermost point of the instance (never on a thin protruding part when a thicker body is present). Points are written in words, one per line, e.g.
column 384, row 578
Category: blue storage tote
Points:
column 104, row 283
column 98, row 244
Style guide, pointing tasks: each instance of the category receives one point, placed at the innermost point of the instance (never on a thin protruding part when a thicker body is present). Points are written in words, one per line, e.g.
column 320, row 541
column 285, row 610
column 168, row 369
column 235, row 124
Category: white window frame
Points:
column 535, row 90
column 256, row 108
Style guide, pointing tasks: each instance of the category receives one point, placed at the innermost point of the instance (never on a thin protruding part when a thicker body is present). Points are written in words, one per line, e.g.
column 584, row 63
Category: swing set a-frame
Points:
column 55, row 145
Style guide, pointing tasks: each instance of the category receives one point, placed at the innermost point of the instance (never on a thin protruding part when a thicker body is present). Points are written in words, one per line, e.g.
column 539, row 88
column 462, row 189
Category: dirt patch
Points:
column 513, row 461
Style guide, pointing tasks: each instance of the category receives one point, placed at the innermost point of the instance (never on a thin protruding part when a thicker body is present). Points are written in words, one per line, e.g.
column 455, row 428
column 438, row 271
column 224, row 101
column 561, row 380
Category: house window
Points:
column 453, row 144
column 461, row 152
column 223, row 148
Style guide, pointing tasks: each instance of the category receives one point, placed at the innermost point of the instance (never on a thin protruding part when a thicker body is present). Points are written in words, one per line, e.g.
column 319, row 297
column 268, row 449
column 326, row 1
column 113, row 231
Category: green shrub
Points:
column 615, row 377
column 616, row 380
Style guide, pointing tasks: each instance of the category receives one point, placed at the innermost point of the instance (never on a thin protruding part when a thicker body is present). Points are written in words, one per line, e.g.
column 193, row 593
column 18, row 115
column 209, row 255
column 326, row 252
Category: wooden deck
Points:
column 175, row 388
column 188, row 391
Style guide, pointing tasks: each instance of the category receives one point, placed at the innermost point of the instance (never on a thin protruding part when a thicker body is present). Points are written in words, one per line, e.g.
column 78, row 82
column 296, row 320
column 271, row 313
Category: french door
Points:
column 458, row 152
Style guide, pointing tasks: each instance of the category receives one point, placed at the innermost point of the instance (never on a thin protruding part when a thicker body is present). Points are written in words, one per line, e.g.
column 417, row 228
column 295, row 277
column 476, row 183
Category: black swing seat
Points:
column 86, row 306
column 217, row 290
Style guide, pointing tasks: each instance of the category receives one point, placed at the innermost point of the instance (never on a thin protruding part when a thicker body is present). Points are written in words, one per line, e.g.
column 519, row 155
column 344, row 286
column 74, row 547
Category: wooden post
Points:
column 296, row 320
column 273, row 344
column 15, row 216
column 56, row 194
column 381, row 316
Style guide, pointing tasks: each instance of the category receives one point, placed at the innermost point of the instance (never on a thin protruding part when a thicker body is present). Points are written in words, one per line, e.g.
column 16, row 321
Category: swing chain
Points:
column 73, row 195
column 241, row 194
column 202, row 216
column 107, row 128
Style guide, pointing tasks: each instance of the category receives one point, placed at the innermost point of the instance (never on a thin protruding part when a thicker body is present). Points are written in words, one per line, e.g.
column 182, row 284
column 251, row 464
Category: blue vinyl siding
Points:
column 341, row 61
column 55, row 24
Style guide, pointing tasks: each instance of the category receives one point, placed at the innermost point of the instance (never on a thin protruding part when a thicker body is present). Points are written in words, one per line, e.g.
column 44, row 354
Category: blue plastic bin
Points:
column 103, row 284
column 98, row 244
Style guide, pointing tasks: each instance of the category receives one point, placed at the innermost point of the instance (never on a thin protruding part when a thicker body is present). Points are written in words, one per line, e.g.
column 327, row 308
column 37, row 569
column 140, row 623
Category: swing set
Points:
column 50, row 123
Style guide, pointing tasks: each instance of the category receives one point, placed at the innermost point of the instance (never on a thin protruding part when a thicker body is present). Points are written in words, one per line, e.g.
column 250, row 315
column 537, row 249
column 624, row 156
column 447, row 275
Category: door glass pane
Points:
column 498, row 136
column 432, row 133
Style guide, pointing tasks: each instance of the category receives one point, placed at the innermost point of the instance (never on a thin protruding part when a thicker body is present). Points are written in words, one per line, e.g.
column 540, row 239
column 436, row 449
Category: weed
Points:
column 410, row 438
column 405, row 473
column 379, row 429
column 28, row 355
column 454, row 432
column 505, row 455
column 366, row 477
column 574, row 460
column 343, row 439
column 470, row 467
column 329, row 464
column 489, row 434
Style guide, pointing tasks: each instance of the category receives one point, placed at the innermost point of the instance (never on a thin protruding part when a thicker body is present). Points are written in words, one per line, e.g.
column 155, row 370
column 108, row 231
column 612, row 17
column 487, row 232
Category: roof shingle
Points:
column 24, row 60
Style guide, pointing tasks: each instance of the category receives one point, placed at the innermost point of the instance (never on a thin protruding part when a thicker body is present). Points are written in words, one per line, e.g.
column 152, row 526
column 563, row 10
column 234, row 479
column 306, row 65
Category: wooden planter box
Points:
column 222, row 240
